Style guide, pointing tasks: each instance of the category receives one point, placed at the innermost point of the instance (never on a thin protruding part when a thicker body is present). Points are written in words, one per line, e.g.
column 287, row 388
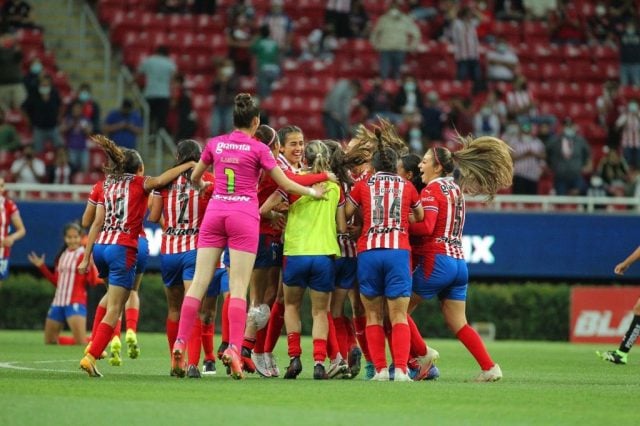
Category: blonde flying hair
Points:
column 367, row 142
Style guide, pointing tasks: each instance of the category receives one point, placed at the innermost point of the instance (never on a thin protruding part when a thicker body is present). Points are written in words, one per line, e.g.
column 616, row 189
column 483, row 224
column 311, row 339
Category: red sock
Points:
column 387, row 333
column 341, row 335
column 351, row 336
column 474, row 344
column 172, row 332
column 237, row 321
column 131, row 316
column 375, row 341
column 276, row 321
column 401, row 343
column 97, row 319
column 319, row 350
column 333, row 347
column 249, row 343
column 360, row 325
column 66, row 340
column 225, row 319
column 261, row 335
column 207, row 341
column 101, row 339
column 293, row 340
column 195, row 343
column 418, row 346
column 117, row 329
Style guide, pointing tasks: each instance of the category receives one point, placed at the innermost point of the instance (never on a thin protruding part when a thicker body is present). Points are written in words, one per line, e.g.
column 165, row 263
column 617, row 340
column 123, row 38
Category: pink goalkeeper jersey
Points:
column 238, row 159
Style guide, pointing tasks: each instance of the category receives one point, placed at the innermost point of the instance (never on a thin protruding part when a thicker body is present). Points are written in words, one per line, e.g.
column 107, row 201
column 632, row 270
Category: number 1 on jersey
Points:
column 231, row 180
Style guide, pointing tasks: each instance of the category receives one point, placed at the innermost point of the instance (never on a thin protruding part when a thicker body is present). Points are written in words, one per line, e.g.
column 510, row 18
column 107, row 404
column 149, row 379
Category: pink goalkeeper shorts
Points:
column 235, row 229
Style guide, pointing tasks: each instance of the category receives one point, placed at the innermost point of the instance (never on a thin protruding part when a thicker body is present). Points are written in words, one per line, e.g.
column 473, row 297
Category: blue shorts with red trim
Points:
column 61, row 313
column 269, row 252
column 384, row 272
column 316, row 272
column 116, row 263
column 443, row 276
column 143, row 255
column 219, row 283
column 346, row 272
column 177, row 268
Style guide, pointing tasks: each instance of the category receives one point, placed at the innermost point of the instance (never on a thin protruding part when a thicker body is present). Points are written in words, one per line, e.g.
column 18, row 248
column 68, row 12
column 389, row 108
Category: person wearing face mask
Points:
column 569, row 157
column 600, row 26
column 10, row 73
column 630, row 56
column 509, row 10
column 224, row 89
column 408, row 100
column 32, row 77
column 393, row 35
column 501, row 62
column 486, row 122
column 43, row 109
column 28, row 168
column 528, row 153
column 628, row 124
column 90, row 108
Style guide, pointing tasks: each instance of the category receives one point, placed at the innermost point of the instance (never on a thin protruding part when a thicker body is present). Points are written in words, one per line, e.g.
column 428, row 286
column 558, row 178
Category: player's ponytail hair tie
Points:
column 435, row 156
column 274, row 134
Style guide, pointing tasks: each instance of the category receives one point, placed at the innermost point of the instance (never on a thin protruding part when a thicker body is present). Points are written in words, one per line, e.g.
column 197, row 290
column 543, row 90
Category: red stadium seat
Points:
column 97, row 159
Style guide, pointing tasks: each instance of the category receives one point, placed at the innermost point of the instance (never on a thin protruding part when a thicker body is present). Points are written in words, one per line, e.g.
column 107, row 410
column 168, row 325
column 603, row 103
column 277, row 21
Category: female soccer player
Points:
column 232, row 220
column 385, row 201
column 484, row 166
column 115, row 232
column 181, row 206
column 9, row 220
column 310, row 245
column 70, row 300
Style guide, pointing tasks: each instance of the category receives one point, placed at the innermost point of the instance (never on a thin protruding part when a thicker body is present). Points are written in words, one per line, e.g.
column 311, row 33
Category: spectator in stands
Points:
column 528, row 160
column 609, row 105
column 502, row 62
column 630, row 56
column 76, row 128
column 568, row 28
column 379, row 102
column 337, row 13
column 628, row 124
column 173, row 6
column 32, row 77
column 539, row 9
column 123, row 125
column 359, row 22
column 393, row 35
column 185, row 119
column 465, row 43
column 433, row 118
column 461, row 115
column 419, row 11
column 17, row 14
column 486, row 123
column 320, row 44
column 614, row 172
column 90, row 107
column 280, row 26
column 520, row 104
column 203, row 6
column 267, row 56
column 545, row 133
column 485, row 28
column 337, row 108
column 408, row 99
column 497, row 105
column 620, row 12
column 159, row 71
column 414, row 134
column 224, row 88
column 240, row 7
column 28, row 168
column 239, row 38
column 600, row 28
column 10, row 73
column 509, row 10
column 9, row 139
column 43, row 107
column 569, row 157
column 61, row 171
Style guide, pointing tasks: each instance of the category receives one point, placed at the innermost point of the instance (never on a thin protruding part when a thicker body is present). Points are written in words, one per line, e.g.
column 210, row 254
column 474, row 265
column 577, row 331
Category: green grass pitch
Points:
column 544, row 383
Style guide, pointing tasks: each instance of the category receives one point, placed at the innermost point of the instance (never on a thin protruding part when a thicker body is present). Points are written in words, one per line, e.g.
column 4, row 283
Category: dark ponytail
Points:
column 384, row 159
column 245, row 110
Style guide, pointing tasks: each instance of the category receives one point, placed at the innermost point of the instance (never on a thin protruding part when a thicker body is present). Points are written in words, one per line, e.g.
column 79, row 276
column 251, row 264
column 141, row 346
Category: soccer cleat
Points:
column 87, row 349
column 338, row 369
column 208, row 367
column 319, row 373
column 223, row 347
column 381, row 376
column 434, row 373
column 270, row 361
column 260, row 363
column 231, row 359
column 401, row 376
column 88, row 364
column 132, row 344
column 193, row 372
column 354, row 361
column 294, row 368
column 616, row 357
column 177, row 358
column 115, row 348
column 425, row 363
column 491, row 375
column 247, row 362
column 369, row 371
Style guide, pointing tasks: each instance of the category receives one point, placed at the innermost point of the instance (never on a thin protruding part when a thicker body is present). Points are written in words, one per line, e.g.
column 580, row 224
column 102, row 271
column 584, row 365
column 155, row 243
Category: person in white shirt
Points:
column 28, row 168
column 159, row 71
column 501, row 62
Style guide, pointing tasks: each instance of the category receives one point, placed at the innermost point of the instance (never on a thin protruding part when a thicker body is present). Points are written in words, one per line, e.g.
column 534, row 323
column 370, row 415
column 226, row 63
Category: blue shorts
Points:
column 448, row 278
column 116, row 263
column 177, row 268
column 4, row 269
column 316, row 272
column 269, row 252
column 226, row 257
column 384, row 272
column 143, row 255
column 219, row 283
column 61, row 313
column 346, row 270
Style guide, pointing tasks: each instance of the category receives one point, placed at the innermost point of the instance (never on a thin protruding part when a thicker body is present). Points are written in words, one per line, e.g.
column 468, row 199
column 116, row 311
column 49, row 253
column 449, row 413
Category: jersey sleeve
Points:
column 267, row 161
column 207, row 153
column 52, row 277
column 11, row 207
column 308, row 179
column 414, row 198
column 428, row 223
column 341, row 198
column 355, row 196
column 96, row 196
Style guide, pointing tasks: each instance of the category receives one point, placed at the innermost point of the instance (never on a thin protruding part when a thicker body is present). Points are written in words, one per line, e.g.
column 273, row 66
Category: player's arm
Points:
column 156, row 182
column 621, row 267
column 19, row 230
column 91, row 239
column 267, row 208
column 155, row 208
column 88, row 215
column 38, row 262
column 293, row 188
column 341, row 219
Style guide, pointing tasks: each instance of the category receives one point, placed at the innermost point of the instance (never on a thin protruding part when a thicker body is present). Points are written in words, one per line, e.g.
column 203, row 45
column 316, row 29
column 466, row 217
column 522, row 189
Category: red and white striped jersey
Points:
column 125, row 203
column 7, row 209
column 183, row 208
column 630, row 126
column 71, row 287
column 443, row 195
column 348, row 247
column 96, row 195
column 385, row 201
column 464, row 35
